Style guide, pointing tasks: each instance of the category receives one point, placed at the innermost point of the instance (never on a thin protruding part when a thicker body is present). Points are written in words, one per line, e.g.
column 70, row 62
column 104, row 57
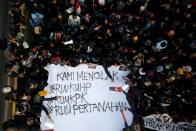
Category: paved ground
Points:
column 5, row 107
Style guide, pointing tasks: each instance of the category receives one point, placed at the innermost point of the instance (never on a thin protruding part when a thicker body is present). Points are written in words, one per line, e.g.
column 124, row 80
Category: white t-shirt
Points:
column 73, row 22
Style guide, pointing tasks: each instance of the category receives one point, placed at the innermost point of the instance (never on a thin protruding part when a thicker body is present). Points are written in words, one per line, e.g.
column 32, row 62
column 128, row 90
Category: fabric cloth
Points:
column 36, row 19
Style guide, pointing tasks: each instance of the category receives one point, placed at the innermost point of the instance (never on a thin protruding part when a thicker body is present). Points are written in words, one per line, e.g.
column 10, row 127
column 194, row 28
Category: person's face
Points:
column 133, row 51
column 74, row 16
column 87, row 17
column 139, row 60
column 60, row 17
column 54, row 1
column 51, row 44
column 72, row 2
column 149, row 60
column 30, row 121
column 145, row 51
column 135, row 38
column 65, row 62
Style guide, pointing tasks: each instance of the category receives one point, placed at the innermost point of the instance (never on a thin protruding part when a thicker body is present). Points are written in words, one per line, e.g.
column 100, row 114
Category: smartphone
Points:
column 92, row 66
column 117, row 89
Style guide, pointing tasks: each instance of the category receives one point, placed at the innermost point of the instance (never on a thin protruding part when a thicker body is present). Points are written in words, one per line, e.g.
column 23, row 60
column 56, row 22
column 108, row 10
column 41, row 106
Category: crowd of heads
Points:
column 154, row 39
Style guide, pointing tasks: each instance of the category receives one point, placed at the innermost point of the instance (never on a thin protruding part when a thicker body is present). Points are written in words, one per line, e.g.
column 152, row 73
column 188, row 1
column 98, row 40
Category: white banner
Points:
column 163, row 122
column 90, row 100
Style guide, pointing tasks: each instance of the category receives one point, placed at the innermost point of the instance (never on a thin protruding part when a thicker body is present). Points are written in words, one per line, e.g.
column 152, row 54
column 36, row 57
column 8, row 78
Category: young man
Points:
column 74, row 20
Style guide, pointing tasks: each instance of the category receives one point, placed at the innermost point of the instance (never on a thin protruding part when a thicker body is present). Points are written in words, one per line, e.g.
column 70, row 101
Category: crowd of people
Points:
column 154, row 39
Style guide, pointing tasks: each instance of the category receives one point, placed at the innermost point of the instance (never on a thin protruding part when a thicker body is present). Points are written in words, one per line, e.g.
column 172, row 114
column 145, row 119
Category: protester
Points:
column 74, row 20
